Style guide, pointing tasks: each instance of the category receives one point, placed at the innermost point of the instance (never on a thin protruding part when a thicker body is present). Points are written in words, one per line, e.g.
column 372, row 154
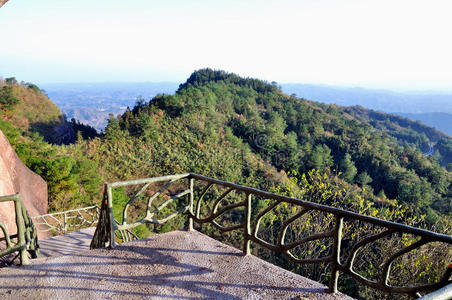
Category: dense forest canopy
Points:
column 378, row 151
column 248, row 131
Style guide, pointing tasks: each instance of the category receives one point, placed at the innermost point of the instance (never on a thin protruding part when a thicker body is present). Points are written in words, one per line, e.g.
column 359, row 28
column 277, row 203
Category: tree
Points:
column 113, row 131
column 320, row 158
column 33, row 87
column 347, row 168
column 7, row 97
column 11, row 80
column 363, row 179
column 413, row 189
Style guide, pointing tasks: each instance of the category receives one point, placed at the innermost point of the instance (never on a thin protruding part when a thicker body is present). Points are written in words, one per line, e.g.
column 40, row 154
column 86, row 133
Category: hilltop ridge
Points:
column 32, row 111
column 378, row 151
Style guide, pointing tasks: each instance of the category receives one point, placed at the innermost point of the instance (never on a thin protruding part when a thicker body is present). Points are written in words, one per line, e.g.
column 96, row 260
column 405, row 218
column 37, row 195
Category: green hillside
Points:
column 35, row 127
column 406, row 131
column 247, row 131
column 439, row 120
column 26, row 107
column 222, row 111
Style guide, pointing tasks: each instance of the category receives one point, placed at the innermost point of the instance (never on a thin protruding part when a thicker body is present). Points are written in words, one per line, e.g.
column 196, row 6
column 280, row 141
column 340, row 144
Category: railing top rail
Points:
column 337, row 211
column 147, row 180
column 66, row 211
column 9, row 197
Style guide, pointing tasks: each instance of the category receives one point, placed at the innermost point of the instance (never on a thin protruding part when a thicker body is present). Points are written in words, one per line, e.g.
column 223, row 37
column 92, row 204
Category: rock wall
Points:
column 15, row 177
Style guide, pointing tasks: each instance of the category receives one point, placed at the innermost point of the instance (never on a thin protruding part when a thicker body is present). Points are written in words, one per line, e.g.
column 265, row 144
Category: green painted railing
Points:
column 66, row 221
column 108, row 230
column 26, row 236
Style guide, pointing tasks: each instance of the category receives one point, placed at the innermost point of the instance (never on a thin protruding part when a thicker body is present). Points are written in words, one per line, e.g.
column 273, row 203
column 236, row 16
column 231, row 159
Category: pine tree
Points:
column 348, row 168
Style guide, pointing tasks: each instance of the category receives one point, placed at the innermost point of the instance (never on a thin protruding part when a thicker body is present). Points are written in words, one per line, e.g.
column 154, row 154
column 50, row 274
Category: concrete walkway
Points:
column 68, row 244
column 175, row 265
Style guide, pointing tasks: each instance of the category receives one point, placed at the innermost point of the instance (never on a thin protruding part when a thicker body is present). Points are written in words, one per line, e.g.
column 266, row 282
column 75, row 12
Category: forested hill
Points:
column 380, row 152
column 440, row 120
column 407, row 132
column 26, row 108
column 38, row 130
column 249, row 132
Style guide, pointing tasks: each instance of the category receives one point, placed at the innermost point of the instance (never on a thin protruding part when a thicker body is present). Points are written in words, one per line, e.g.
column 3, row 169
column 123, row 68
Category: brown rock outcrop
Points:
column 15, row 177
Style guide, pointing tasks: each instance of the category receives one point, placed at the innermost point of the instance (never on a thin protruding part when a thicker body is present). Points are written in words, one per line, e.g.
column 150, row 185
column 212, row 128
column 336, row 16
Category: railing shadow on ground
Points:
column 68, row 244
column 158, row 258
column 108, row 230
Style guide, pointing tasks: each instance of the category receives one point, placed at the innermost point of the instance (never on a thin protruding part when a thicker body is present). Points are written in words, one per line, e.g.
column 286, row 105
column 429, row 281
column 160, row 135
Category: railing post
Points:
column 247, row 226
column 190, row 208
column 65, row 223
column 112, row 218
column 335, row 256
column 21, row 231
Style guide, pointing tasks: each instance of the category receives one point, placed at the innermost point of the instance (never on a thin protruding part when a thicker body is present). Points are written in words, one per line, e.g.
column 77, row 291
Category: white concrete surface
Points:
column 175, row 265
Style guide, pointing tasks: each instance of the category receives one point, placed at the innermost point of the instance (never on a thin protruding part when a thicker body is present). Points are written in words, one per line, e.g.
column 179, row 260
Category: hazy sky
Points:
column 377, row 43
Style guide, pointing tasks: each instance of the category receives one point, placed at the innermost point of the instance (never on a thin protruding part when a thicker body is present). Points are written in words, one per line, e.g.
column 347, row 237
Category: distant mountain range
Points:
column 382, row 100
column 439, row 120
column 431, row 108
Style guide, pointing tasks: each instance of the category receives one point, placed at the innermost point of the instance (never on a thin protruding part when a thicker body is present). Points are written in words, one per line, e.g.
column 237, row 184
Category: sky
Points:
column 402, row 44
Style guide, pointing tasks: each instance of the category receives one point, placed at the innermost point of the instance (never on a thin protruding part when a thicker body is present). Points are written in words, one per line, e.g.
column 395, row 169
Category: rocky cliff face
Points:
column 15, row 177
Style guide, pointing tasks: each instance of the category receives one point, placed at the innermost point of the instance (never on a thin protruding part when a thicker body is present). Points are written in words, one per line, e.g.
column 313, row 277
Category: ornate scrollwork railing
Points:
column 69, row 220
column 76, row 219
column 249, row 225
column 26, row 236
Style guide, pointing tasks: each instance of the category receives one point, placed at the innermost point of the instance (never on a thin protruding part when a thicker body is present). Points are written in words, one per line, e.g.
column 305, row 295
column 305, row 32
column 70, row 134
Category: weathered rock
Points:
column 3, row 2
column 15, row 177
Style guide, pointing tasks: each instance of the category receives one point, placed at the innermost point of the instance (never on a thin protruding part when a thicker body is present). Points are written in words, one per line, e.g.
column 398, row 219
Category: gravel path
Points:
column 175, row 265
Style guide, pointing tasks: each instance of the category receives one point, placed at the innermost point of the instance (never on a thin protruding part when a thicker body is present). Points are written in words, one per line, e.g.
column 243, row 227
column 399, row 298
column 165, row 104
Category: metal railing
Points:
column 107, row 230
column 107, row 227
column 444, row 293
column 26, row 236
column 66, row 221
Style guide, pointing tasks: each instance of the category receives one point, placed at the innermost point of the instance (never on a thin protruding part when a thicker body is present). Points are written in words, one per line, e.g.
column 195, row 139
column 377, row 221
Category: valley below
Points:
column 92, row 103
